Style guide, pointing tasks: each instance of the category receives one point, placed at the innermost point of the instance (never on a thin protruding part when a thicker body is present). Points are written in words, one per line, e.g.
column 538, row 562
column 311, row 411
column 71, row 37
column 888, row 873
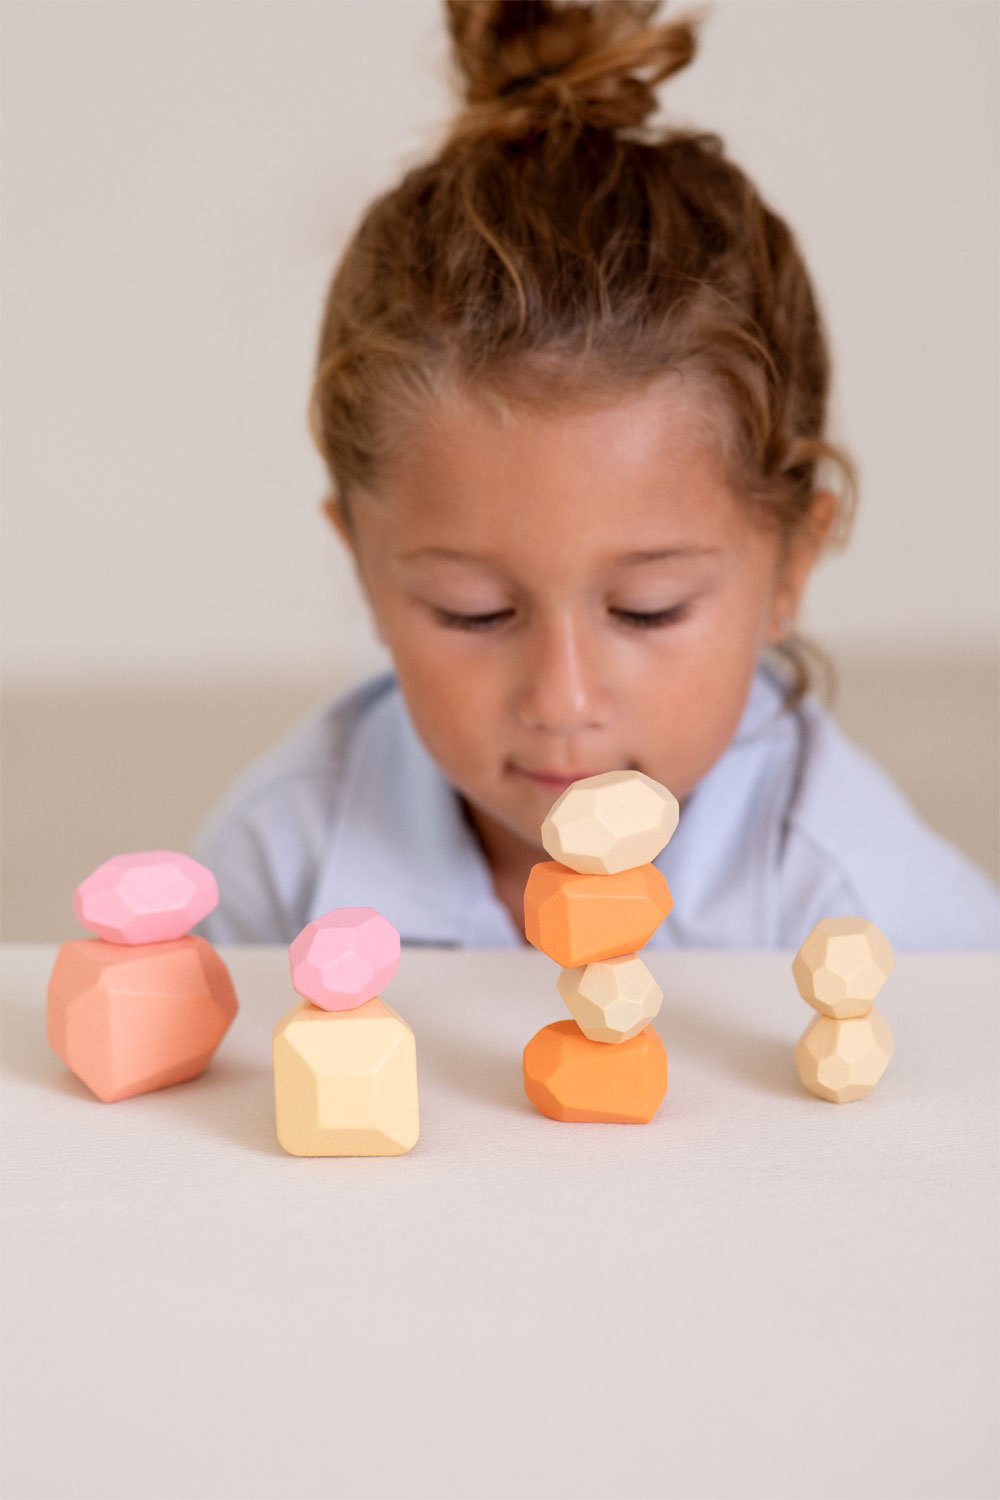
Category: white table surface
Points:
column 759, row 1294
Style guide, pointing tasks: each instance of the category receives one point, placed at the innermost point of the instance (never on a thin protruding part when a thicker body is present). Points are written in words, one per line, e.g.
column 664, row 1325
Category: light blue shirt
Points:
column 792, row 823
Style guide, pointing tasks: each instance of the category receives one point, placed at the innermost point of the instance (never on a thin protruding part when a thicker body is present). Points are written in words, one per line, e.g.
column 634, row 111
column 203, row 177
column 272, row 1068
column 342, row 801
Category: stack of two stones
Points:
column 345, row 1064
column 144, row 1003
column 591, row 908
column 840, row 970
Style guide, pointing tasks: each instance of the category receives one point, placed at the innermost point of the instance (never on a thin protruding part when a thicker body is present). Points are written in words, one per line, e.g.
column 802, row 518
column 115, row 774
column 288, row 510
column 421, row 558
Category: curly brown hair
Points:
column 559, row 249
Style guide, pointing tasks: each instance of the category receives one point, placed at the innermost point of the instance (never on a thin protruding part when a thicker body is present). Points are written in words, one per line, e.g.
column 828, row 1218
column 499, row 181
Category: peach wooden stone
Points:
column 127, row 1020
column 345, row 1081
column 616, row 821
column 150, row 897
column 582, row 919
column 613, row 1000
column 844, row 1060
column 344, row 958
column 842, row 966
column 570, row 1078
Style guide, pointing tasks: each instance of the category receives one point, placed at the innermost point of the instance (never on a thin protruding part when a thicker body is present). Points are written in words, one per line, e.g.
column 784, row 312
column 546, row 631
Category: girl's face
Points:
column 569, row 593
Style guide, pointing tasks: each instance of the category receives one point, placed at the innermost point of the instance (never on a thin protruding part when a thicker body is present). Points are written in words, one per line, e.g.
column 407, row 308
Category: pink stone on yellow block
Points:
column 150, row 897
column 128, row 1020
column 344, row 958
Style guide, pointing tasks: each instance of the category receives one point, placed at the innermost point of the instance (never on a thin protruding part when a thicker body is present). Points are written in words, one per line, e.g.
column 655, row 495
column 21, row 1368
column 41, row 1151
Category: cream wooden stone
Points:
column 615, row 821
column 842, row 966
column 844, row 1060
column 612, row 1000
column 345, row 1081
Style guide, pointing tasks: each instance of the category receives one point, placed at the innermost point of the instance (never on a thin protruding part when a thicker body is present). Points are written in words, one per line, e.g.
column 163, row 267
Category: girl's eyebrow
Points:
column 626, row 558
column 664, row 552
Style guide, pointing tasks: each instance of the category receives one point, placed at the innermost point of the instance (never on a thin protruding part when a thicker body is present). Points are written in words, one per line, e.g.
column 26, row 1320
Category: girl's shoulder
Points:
column 314, row 749
column 855, row 844
column 795, row 822
column 265, row 836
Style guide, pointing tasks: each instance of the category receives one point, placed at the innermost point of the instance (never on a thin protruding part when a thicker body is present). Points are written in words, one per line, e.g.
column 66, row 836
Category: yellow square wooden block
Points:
column 345, row 1082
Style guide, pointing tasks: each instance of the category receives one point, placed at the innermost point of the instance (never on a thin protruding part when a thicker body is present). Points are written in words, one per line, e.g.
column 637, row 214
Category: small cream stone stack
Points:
column 839, row 970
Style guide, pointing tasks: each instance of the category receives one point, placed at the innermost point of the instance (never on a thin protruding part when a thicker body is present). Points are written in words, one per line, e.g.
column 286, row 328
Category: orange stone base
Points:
column 568, row 1077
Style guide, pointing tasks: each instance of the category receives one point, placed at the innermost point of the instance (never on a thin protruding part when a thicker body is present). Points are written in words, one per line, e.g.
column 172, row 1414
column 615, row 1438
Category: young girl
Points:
column 571, row 392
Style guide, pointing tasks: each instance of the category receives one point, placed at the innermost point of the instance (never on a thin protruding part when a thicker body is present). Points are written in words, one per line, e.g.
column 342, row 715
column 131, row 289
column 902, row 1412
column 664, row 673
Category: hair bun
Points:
column 527, row 62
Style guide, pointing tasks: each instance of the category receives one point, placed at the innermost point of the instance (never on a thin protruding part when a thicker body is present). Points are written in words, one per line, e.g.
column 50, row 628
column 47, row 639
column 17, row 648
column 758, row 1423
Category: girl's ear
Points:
column 822, row 515
column 334, row 510
column 799, row 561
column 337, row 514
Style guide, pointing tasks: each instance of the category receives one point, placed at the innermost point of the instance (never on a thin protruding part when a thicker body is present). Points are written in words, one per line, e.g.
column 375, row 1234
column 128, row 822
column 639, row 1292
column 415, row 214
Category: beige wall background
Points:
column 179, row 180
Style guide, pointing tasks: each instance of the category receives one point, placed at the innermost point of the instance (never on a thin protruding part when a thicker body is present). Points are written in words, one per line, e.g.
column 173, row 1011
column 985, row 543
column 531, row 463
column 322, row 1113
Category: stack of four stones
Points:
column 591, row 908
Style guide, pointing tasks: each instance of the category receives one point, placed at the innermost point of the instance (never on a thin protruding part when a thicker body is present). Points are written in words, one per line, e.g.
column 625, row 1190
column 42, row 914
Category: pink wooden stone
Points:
column 128, row 1020
column 151, row 897
column 344, row 958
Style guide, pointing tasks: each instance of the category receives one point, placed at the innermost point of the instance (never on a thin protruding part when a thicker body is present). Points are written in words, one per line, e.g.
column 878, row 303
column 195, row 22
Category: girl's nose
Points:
column 561, row 689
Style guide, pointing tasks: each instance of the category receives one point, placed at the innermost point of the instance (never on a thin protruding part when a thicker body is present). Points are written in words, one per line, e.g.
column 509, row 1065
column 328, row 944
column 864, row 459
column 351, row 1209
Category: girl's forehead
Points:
column 631, row 446
column 670, row 409
column 626, row 468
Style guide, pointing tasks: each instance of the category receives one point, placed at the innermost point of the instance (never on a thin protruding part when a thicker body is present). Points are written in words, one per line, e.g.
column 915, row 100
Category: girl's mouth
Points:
column 555, row 781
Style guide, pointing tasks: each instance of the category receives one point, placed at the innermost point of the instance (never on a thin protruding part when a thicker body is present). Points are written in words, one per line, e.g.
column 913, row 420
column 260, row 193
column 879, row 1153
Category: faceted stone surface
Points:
column 151, row 897
column 613, row 1000
column 345, row 1081
column 570, row 1078
column 582, row 919
column 344, row 958
column 842, row 966
column 844, row 1060
column 128, row 1020
column 615, row 821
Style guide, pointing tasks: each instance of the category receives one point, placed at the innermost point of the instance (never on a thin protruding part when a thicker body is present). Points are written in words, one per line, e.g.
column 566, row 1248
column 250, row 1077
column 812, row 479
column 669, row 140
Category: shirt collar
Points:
column 402, row 843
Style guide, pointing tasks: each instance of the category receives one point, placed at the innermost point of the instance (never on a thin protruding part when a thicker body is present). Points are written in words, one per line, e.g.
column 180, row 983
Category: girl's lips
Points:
column 553, row 779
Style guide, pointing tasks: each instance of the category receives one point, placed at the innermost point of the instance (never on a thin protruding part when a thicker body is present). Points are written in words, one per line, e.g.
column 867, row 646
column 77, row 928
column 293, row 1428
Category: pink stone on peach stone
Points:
column 152, row 897
column 344, row 958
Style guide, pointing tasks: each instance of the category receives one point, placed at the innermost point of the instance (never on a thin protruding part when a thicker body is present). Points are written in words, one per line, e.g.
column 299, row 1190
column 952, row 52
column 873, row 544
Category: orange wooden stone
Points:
column 580, row 919
column 570, row 1078
column 130, row 1018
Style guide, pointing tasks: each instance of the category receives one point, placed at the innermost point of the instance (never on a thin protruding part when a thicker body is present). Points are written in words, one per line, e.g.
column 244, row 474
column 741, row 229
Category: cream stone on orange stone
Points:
column 844, row 1060
column 615, row 821
column 612, row 1000
column 842, row 966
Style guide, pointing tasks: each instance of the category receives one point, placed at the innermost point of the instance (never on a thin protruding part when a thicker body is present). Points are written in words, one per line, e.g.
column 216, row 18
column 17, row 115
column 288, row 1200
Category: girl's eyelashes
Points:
column 649, row 620
column 636, row 619
column 471, row 622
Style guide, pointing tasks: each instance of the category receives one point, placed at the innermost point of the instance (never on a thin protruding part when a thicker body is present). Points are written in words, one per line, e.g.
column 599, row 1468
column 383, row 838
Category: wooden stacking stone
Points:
column 616, row 821
column 581, row 919
column 570, row 1078
column 611, row 1001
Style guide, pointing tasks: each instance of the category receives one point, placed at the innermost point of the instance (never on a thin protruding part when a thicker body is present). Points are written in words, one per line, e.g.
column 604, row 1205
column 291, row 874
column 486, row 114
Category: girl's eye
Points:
column 471, row 622
column 640, row 620
column 637, row 619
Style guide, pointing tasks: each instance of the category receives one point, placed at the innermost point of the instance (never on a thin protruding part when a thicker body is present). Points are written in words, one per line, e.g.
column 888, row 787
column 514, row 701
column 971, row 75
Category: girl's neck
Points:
column 509, row 857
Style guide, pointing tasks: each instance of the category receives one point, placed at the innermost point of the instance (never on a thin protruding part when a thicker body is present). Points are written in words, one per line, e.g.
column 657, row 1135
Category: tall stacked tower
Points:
column 591, row 908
